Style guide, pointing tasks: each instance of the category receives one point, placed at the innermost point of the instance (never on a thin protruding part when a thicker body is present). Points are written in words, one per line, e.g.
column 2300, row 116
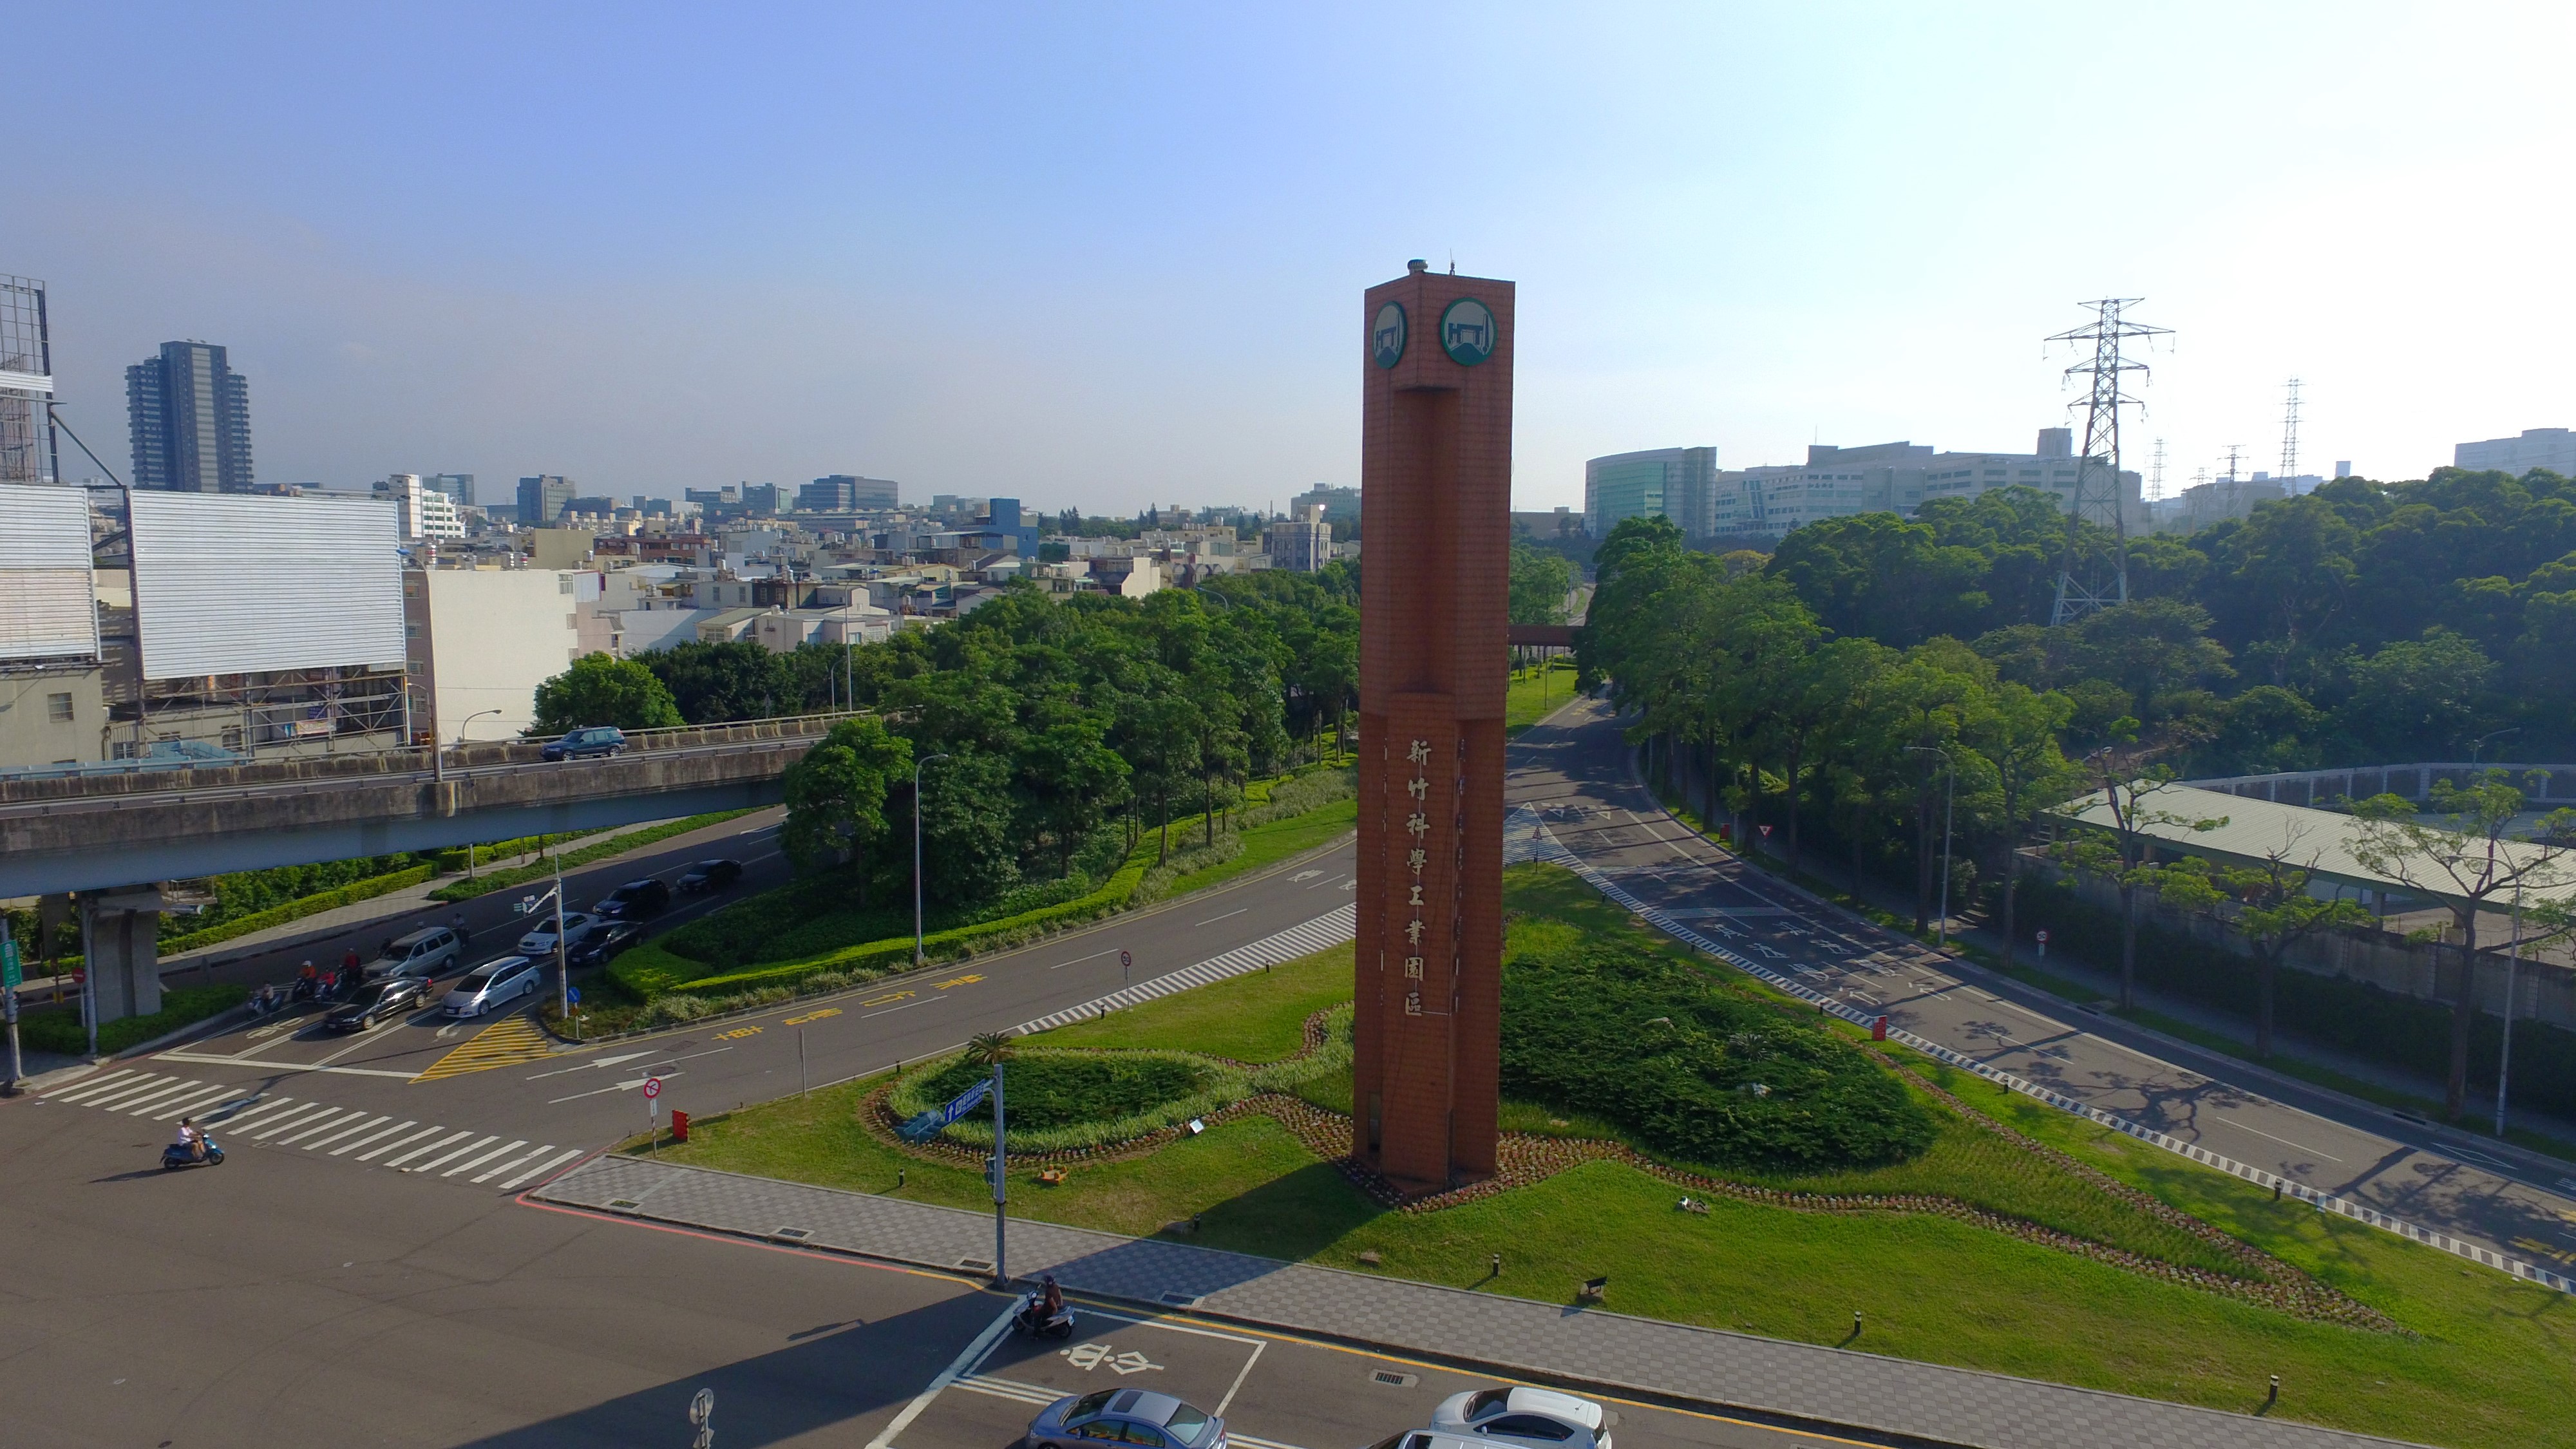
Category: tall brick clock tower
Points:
column 1435, row 475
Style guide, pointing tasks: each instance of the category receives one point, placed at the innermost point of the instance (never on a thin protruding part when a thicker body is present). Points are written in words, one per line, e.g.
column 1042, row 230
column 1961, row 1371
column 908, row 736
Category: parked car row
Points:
column 1524, row 1417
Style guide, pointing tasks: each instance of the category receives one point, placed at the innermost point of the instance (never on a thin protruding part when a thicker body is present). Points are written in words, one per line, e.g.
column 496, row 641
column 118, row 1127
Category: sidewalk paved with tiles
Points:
column 1947, row 1405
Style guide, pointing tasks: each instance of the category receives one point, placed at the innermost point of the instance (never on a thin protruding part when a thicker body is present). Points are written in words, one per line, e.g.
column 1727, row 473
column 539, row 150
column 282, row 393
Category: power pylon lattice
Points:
column 2290, row 438
column 2156, row 475
column 2093, row 572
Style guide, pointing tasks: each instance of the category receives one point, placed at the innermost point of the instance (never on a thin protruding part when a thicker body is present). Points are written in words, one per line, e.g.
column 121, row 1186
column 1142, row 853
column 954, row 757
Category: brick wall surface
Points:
column 1435, row 472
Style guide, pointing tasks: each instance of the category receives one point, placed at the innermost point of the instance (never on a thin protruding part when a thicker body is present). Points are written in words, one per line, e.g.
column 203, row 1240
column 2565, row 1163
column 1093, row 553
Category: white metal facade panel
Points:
column 48, row 608
column 225, row 584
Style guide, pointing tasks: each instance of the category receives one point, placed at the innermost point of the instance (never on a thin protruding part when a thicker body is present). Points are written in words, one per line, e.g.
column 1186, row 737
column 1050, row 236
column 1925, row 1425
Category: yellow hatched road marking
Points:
column 502, row 1044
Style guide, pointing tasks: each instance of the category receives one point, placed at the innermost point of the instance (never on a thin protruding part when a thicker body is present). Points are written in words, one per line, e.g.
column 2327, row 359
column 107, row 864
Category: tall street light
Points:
column 1948, row 813
column 916, row 854
column 2490, row 735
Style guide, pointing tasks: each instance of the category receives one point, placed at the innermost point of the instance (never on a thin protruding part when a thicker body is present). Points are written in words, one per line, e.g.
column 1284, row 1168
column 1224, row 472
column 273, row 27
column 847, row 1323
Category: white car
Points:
column 541, row 940
column 1532, row 1418
column 494, row 982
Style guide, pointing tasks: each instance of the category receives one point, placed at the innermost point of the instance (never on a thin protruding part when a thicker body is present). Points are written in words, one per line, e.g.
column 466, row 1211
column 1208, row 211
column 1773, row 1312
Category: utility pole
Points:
column 2290, row 439
column 2093, row 570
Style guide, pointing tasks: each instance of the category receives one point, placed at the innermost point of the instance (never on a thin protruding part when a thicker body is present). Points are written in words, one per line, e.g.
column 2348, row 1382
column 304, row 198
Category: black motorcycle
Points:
column 1035, row 1322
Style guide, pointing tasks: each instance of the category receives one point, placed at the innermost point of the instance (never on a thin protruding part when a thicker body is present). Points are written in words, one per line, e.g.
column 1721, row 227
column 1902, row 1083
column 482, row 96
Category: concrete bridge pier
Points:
column 119, row 929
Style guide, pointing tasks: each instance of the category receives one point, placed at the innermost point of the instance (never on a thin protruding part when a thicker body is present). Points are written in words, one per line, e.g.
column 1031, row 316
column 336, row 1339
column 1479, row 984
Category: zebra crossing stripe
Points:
column 549, row 1165
column 83, row 1088
column 347, row 1126
column 447, row 1156
column 505, row 1165
column 1329, row 929
column 311, row 1125
column 417, row 1151
column 182, row 1106
column 295, row 1120
column 471, row 1163
column 246, row 1114
column 399, row 1142
column 133, row 1093
column 370, row 1137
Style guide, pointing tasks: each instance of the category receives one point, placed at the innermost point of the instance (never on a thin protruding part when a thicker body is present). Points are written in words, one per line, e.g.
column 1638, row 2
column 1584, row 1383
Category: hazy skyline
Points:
column 1111, row 258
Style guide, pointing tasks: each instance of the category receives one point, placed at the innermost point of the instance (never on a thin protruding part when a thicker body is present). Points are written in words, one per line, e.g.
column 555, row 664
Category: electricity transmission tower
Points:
column 2156, row 477
column 2290, row 439
column 2093, row 572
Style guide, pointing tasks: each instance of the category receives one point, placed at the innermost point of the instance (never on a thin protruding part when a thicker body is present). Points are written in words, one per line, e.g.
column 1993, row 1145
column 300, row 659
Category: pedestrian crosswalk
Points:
column 1331, row 928
column 505, row 1043
column 240, row 1115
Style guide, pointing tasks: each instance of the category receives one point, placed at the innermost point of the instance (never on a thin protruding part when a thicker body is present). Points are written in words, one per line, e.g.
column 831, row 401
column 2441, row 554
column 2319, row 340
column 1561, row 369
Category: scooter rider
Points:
column 1052, row 1304
column 192, row 1137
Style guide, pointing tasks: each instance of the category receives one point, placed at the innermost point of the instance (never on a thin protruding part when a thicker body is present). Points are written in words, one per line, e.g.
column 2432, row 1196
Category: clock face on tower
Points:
column 1468, row 332
column 1386, row 335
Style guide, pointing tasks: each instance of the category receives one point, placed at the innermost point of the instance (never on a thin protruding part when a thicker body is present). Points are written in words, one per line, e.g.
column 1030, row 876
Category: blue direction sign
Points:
column 921, row 1128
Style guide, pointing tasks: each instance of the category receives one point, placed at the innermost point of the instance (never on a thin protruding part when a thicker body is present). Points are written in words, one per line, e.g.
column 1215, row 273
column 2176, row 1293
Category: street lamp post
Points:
column 916, row 854
column 563, row 972
column 1949, row 806
column 2490, row 735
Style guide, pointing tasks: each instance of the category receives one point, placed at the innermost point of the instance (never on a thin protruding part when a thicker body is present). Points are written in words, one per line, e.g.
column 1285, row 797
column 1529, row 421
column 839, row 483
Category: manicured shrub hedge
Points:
column 58, row 1029
column 2353, row 1015
column 1058, row 1090
column 296, row 910
column 1698, row 1074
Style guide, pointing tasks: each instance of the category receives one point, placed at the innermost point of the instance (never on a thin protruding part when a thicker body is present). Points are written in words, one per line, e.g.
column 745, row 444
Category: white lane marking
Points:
column 371, row 1137
column 1230, row 915
column 616, row 1087
column 2223, row 1120
column 451, row 1156
column 288, row 1067
column 1076, row 961
column 589, row 1065
column 399, row 1142
column 473, row 1163
column 363, row 1038
column 487, row 1174
column 907, row 1006
column 1237, row 1386
column 973, row 1352
column 417, row 1151
column 246, row 1114
column 541, row 1168
column 345, row 1129
column 84, row 1087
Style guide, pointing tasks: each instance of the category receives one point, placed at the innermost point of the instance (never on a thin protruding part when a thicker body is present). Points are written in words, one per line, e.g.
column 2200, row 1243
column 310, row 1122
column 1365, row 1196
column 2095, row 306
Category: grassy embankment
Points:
column 2483, row 1362
column 1535, row 693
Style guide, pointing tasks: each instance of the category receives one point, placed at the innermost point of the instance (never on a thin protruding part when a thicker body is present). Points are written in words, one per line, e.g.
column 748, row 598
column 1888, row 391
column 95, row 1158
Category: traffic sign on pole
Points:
column 1125, row 960
column 652, row 1088
column 10, row 974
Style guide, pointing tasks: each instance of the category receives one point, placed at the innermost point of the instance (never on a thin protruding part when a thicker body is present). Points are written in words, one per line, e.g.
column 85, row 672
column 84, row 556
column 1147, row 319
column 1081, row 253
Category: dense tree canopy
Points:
column 599, row 690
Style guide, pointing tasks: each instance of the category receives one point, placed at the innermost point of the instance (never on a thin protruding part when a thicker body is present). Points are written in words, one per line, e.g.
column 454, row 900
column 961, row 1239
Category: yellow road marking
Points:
column 960, row 981
column 506, row 1043
column 813, row 1016
column 882, row 1000
column 738, row 1033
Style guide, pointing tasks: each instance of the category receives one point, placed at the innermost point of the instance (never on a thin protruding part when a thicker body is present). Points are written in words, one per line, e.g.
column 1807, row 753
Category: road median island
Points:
column 2011, row 1237
column 665, row 981
column 493, row 880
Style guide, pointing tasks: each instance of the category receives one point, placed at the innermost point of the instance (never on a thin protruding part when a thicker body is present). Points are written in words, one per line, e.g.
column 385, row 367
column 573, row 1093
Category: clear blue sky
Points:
column 1111, row 255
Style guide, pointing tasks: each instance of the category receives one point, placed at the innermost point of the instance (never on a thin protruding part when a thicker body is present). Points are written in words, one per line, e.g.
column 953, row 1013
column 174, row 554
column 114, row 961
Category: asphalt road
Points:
column 285, row 1299
column 489, row 1103
column 1574, row 772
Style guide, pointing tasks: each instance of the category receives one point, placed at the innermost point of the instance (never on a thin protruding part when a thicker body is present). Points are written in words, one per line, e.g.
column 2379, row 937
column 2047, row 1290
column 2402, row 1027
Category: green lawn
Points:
column 2486, row 1361
column 1268, row 844
column 1535, row 693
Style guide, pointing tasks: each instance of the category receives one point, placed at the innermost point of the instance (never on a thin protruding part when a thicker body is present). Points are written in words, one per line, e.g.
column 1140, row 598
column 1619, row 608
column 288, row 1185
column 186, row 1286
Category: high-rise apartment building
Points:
column 1674, row 483
column 459, row 486
column 189, row 414
column 544, row 498
column 2550, row 448
column 426, row 512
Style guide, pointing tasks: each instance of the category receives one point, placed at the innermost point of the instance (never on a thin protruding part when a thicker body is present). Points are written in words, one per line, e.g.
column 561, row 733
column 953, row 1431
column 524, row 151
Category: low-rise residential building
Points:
column 1303, row 544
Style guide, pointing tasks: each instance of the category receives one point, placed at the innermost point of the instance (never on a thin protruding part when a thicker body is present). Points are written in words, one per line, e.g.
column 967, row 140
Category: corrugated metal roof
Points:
column 2320, row 841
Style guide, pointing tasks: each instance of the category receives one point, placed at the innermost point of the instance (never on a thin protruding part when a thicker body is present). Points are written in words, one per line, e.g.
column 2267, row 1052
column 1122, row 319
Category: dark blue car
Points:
column 1125, row 1416
column 595, row 742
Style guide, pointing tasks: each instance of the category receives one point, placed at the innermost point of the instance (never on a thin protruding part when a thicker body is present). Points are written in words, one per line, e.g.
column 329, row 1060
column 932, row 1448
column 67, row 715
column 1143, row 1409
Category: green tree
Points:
column 2418, row 694
column 2119, row 849
column 1540, row 581
column 1075, row 778
column 2269, row 905
column 599, row 690
column 2016, row 737
column 2464, row 857
column 836, row 796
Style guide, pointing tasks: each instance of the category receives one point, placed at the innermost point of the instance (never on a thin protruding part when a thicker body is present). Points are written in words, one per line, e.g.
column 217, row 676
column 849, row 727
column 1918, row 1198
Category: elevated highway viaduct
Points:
column 114, row 838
